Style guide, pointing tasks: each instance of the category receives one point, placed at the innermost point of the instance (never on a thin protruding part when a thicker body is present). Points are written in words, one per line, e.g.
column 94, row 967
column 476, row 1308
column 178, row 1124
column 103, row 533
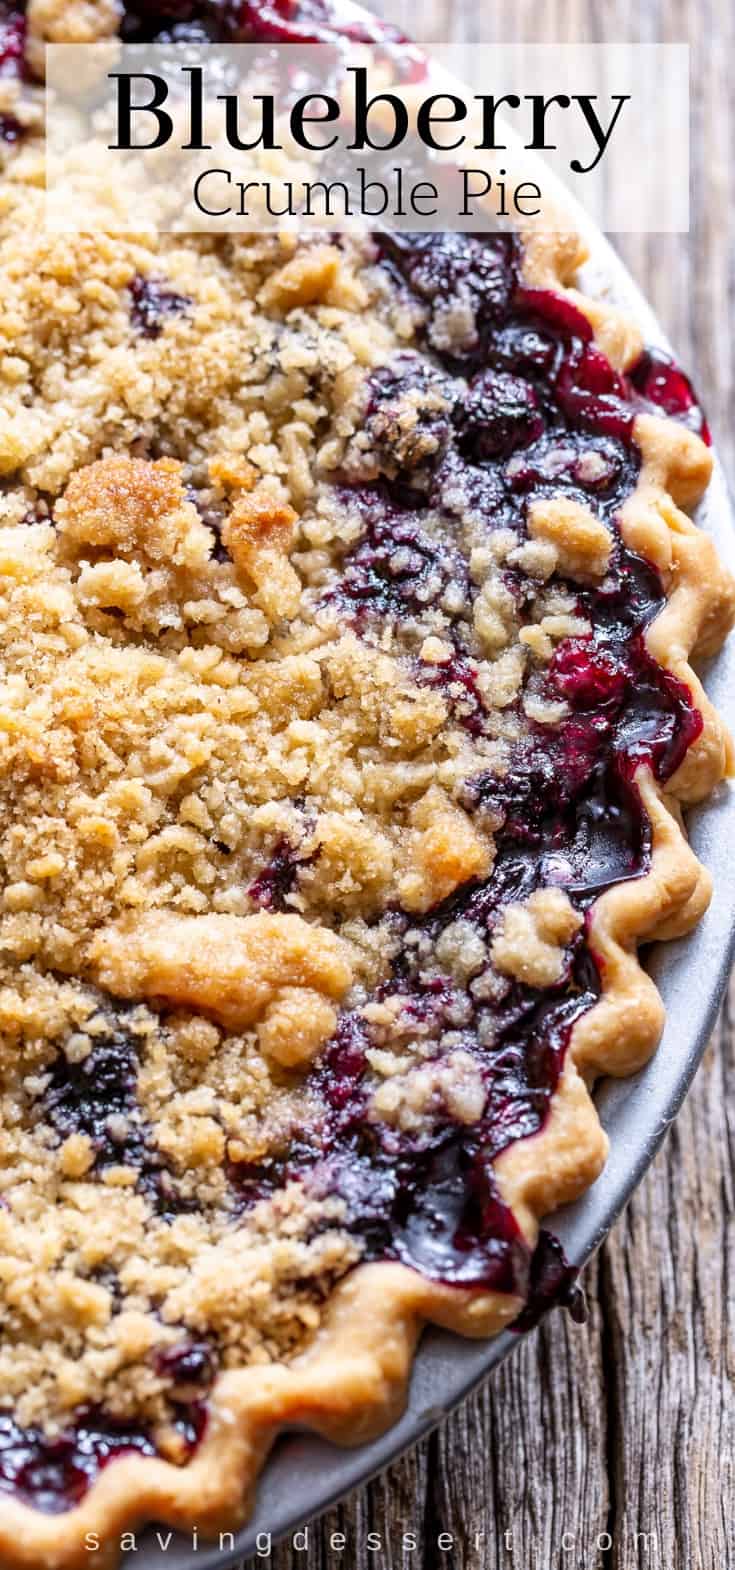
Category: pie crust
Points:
column 349, row 1381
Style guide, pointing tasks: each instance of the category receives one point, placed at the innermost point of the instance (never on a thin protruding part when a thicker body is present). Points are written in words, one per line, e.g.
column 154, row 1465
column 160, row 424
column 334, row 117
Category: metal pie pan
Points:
column 305, row 1475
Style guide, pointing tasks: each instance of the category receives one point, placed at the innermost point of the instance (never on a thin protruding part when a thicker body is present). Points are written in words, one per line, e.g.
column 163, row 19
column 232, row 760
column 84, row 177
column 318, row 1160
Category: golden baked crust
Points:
column 131, row 640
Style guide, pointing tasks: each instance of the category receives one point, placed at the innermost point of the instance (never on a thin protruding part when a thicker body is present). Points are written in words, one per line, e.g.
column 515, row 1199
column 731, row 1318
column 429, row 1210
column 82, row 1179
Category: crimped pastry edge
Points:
column 351, row 1383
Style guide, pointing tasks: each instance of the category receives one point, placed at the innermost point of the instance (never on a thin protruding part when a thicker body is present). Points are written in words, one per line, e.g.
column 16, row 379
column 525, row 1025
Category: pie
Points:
column 347, row 593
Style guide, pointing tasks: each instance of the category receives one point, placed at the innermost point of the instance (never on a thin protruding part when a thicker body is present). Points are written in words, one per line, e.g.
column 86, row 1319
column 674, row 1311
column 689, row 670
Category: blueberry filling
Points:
column 409, row 387
column 53, row 1474
column 397, row 569
column 152, row 302
column 191, row 1367
column 12, row 62
column 456, row 678
column 11, row 129
column 553, row 1281
column 659, row 382
column 256, row 22
column 181, row 21
column 569, row 794
column 222, row 21
column 12, row 40
column 439, row 269
column 96, row 1096
column 542, row 414
column 305, row 22
column 500, row 413
column 273, row 886
column 432, row 1202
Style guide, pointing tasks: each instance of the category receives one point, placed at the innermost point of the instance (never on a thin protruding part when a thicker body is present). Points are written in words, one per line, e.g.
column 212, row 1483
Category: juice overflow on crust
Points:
column 531, row 408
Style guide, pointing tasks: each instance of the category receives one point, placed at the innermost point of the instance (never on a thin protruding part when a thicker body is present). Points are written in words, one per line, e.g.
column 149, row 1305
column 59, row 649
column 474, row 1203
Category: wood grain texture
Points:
column 621, row 1433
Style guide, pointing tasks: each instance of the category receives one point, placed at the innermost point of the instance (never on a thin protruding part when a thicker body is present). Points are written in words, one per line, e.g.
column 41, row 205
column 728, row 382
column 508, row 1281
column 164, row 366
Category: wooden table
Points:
column 625, row 1426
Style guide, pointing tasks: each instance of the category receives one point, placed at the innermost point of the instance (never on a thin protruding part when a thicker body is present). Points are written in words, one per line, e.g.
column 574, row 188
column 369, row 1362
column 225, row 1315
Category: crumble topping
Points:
column 531, row 939
column 240, row 969
column 581, row 543
column 206, row 772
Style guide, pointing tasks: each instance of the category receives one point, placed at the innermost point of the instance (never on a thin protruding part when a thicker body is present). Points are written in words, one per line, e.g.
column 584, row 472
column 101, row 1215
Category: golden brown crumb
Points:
column 234, row 967
column 581, row 541
column 259, row 534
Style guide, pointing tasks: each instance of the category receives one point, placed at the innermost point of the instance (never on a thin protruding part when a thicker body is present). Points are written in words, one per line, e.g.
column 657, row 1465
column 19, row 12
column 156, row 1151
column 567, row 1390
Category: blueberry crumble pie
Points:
column 347, row 593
